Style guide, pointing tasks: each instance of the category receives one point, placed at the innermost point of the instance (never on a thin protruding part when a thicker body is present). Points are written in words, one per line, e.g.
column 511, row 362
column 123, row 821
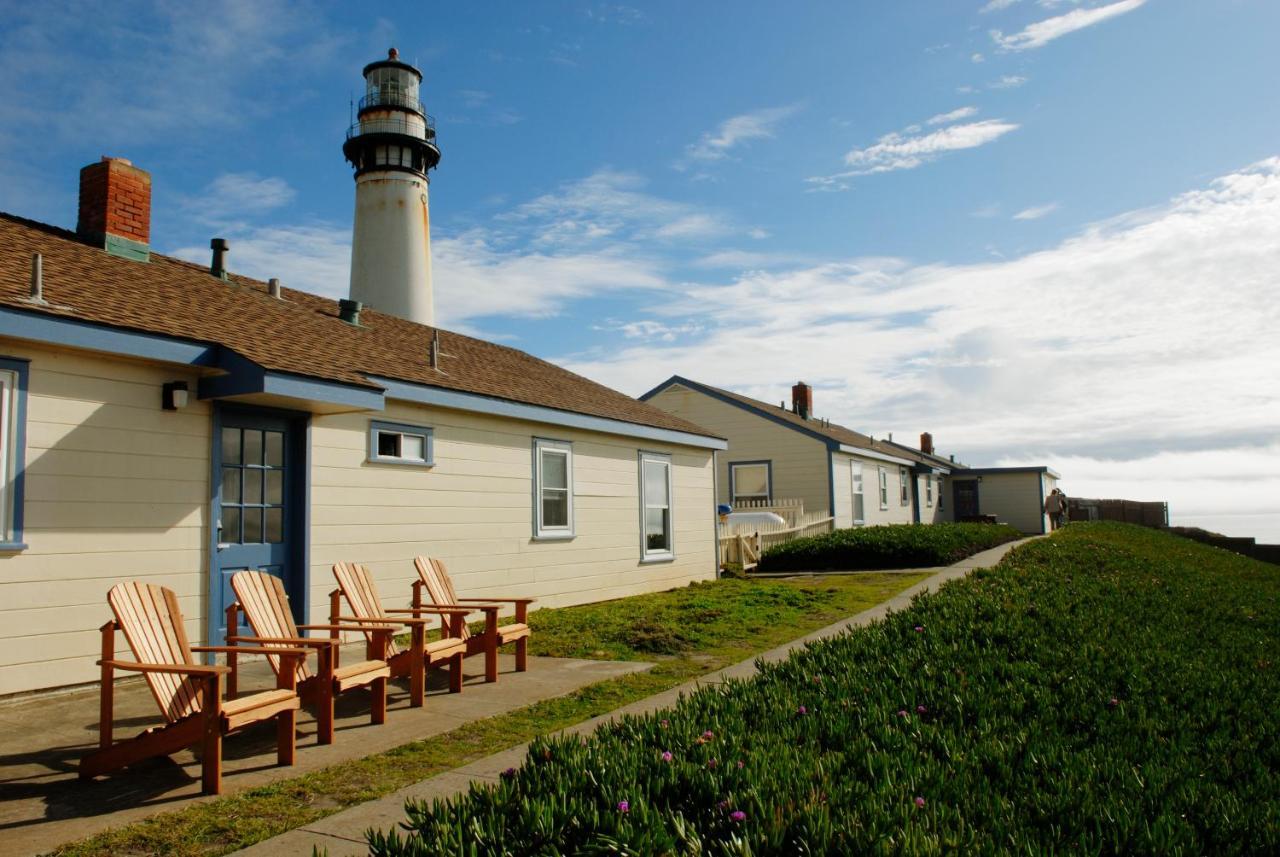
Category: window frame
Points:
column 14, row 377
column 669, row 553
column 857, row 479
column 904, row 495
column 540, row 531
column 940, row 494
column 768, row 480
column 928, row 491
column 427, row 433
column 883, row 474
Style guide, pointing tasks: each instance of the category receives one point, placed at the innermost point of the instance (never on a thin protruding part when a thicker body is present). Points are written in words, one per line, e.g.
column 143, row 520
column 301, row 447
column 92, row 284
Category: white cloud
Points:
column 910, row 148
column 1008, row 81
column 954, row 116
column 237, row 195
column 1036, row 212
column 1039, row 34
column 736, row 130
column 1152, row 333
column 977, row 58
column 996, row 6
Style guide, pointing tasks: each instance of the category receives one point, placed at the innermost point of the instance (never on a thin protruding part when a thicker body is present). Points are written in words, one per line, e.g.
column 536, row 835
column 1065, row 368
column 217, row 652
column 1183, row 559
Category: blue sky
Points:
column 1047, row 231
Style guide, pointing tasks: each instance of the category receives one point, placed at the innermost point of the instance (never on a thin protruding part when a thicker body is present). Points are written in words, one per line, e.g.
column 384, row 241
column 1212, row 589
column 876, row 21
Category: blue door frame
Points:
column 259, row 505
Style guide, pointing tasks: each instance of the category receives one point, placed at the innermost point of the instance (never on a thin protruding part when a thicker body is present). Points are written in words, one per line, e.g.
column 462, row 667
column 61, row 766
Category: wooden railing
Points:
column 745, row 543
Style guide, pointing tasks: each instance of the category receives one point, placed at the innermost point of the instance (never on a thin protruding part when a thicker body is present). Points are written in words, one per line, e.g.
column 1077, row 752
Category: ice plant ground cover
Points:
column 1110, row 689
column 891, row 546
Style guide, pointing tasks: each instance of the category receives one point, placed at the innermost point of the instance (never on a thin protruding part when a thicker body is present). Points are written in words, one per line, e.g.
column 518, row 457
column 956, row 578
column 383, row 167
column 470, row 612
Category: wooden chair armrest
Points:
column 437, row 611
column 380, row 626
column 470, row 608
column 313, row 642
column 252, row 650
column 373, row 623
column 176, row 669
column 500, row 600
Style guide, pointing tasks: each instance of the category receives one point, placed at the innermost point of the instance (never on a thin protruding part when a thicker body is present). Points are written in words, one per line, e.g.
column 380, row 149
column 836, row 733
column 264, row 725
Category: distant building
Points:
column 176, row 423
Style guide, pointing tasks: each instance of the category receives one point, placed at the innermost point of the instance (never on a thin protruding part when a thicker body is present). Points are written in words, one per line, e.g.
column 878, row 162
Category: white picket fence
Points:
column 788, row 509
column 744, row 543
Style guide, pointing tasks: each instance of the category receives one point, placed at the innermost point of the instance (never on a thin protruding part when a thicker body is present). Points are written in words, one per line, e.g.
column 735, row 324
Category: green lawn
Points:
column 686, row 632
column 1109, row 690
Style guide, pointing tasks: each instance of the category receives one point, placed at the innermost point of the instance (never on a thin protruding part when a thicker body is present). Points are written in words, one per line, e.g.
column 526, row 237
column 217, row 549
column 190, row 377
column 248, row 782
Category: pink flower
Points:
column 903, row 714
column 919, row 629
column 1114, row 702
column 664, row 723
column 711, row 763
column 920, row 802
column 802, row 710
column 624, row 807
column 708, row 735
column 666, row 756
column 920, row 709
column 724, row 804
column 741, row 764
column 738, row 815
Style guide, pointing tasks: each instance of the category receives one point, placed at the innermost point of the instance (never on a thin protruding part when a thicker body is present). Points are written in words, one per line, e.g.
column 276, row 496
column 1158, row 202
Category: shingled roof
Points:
column 300, row 335
column 813, row 425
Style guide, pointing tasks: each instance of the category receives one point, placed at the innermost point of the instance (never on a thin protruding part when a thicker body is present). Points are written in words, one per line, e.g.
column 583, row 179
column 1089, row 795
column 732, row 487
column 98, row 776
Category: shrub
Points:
column 891, row 546
column 1108, row 690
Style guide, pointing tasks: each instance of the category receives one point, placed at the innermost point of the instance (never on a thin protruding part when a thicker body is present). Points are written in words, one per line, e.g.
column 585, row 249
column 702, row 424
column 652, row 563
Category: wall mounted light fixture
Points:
column 175, row 395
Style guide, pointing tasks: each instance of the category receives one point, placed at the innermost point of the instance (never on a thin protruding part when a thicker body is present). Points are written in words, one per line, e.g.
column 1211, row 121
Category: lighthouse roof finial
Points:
column 393, row 54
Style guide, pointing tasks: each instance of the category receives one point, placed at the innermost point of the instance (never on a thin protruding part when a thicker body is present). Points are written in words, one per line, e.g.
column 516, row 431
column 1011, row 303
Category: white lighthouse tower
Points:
column 392, row 145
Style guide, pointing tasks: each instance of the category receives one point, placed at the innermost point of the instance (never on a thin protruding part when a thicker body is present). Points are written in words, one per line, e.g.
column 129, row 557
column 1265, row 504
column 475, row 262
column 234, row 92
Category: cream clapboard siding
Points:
column 800, row 465
column 1014, row 498
column 474, row 509
column 936, row 512
column 116, row 487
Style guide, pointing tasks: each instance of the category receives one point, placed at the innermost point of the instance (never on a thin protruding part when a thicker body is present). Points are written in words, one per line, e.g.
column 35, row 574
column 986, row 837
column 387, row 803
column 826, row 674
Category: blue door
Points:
column 259, row 459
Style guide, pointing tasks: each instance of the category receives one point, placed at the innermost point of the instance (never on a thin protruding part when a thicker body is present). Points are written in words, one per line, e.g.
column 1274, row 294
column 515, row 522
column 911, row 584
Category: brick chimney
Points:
column 115, row 208
column 802, row 400
column 926, row 443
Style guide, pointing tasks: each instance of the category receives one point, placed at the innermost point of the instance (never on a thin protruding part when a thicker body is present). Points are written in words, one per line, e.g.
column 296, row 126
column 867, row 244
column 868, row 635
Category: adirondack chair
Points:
column 356, row 585
column 262, row 598
column 188, row 692
column 434, row 578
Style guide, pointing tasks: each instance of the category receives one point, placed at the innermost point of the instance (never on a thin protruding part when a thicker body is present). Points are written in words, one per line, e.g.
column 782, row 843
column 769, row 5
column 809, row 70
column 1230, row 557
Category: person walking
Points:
column 1053, row 506
column 1063, row 508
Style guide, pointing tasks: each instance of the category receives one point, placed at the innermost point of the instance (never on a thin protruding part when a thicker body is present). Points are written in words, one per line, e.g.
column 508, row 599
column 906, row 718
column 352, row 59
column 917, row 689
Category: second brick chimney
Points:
column 115, row 208
column 926, row 443
column 802, row 400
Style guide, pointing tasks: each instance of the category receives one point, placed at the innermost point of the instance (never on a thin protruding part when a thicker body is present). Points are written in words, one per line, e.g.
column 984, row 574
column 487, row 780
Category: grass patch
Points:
column 687, row 632
column 1111, row 690
column 892, row 546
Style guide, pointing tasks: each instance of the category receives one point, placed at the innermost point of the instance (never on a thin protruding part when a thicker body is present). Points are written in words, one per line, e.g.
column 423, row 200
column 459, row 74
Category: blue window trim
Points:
column 647, row 556
column 21, row 368
column 426, row 432
column 540, row 533
column 733, row 488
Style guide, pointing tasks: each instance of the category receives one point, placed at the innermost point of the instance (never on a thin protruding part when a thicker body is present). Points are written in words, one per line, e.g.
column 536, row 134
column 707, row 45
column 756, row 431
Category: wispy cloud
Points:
column 996, row 6
column 1039, row 34
column 1036, row 212
column 238, row 195
column 913, row 147
column 736, row 130
column 1008, row 81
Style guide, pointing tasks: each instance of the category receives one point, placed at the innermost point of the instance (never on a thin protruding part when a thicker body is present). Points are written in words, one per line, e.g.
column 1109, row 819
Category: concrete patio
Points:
column 43, row 804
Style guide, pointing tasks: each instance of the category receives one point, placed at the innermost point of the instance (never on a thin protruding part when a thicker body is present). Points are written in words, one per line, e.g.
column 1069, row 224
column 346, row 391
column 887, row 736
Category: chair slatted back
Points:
column 152, row 623
column 265, row 604
column 356, row 583
column 439, row 585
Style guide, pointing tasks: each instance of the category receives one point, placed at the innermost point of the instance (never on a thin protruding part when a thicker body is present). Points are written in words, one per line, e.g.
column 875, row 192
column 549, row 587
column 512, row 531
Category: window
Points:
column 395, row 443
column 940, row 494
column 904, row 494
column 13, row 427
column 552, row 489
column 657, row 542
column 750, row 480
column 855, row 473
column 928, row 491
column 884, row 488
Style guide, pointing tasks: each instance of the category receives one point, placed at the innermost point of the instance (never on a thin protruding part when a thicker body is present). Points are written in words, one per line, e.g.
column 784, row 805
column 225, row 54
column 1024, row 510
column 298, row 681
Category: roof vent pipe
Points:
column 218, row 267
column 435, row 349
column 349, row 310
column 273, row 288
column 37, row 279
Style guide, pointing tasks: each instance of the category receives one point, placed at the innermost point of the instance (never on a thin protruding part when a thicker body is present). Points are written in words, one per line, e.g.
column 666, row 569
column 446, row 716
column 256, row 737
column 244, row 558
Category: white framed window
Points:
column 884, row 488
column 750, row 480
column 657, row 538
column 928, row 491
column 398, row 443
column 13, row 406
column 855, row 477
column 941, row 494
column 552, row 489
column 904, row 487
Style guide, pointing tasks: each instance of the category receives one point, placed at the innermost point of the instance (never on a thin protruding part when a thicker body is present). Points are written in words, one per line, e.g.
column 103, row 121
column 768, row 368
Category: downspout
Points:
column 715, row 502
column 1044, row 513
column 831, row 485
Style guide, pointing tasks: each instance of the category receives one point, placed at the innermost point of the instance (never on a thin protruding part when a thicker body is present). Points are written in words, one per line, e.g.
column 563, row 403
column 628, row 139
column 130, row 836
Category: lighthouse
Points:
column 392, row 146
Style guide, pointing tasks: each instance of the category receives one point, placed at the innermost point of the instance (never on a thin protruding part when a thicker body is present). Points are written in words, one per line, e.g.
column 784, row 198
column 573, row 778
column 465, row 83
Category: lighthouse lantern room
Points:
column 392, row 146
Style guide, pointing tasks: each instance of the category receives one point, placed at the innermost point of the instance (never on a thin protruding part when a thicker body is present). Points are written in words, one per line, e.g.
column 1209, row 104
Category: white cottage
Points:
column 174, row 423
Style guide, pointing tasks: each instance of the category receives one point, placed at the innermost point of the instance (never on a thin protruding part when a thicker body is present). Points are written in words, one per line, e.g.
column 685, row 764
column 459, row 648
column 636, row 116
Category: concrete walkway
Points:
column 43, row 804
column 343, row 833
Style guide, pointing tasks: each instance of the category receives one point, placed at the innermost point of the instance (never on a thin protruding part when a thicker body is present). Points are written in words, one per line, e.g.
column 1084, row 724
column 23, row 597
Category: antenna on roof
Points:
column 435, row 349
